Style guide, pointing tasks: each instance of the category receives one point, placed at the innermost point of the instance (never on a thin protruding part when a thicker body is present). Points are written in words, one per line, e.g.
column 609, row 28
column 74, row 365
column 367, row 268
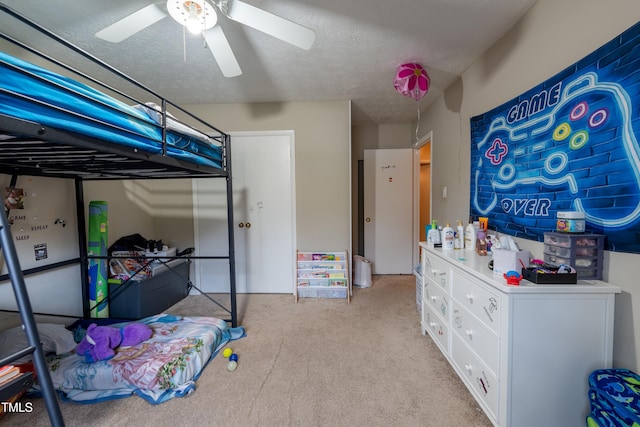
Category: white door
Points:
column 388, row 210
column 264, row 217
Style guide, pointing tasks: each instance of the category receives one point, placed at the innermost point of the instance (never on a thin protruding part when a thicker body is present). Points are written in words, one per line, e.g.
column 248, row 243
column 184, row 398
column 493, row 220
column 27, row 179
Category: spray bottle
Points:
column 433, row 236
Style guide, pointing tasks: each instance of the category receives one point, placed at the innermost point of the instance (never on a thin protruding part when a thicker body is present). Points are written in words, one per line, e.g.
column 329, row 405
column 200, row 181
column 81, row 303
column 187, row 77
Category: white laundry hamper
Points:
column 361, row 272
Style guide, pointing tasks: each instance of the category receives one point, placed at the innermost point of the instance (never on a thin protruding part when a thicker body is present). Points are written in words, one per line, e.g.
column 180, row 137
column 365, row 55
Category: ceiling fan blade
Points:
column 271, row 24
column 131, row 24
column 221, row 51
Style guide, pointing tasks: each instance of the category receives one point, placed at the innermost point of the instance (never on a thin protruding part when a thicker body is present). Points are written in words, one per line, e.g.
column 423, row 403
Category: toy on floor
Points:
column 233, row 359
column 233, row 362
column 100, row 342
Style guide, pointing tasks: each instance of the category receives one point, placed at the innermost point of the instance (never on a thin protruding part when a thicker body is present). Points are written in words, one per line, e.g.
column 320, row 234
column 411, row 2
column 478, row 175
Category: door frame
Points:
column 291, row 136
column 425, row 139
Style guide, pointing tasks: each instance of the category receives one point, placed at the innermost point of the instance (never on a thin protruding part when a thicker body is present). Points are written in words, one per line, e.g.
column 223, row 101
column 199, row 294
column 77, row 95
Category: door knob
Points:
column 248, row 225
column 368, row 219
column 244, row 224
column 241, row 225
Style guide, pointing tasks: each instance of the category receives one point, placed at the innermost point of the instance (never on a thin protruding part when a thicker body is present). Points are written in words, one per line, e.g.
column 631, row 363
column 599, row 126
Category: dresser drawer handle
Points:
column 470, row 298
column 433, row 324
column 467, row 367
column 434, row 298
column 469, row 333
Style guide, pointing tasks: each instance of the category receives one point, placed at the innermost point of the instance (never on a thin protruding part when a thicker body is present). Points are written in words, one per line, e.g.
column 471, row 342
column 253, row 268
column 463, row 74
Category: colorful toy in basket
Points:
column 100, row 342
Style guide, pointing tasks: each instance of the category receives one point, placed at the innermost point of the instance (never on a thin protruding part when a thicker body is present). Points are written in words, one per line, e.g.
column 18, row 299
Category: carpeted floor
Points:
column 320, row 362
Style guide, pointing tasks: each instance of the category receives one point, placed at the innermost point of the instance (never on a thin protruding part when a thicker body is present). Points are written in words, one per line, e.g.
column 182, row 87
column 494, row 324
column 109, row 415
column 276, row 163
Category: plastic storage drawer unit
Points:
column 584, row 252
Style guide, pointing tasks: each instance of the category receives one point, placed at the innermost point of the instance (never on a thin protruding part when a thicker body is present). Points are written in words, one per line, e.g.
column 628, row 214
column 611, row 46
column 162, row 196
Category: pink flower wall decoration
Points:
column 412, row 80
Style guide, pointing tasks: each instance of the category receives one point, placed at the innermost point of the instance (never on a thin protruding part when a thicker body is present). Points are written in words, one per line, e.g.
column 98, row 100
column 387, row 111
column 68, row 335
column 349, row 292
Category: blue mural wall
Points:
column 569, row 144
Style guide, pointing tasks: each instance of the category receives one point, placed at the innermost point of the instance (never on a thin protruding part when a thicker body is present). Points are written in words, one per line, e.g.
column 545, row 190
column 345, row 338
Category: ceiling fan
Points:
column 200, row 17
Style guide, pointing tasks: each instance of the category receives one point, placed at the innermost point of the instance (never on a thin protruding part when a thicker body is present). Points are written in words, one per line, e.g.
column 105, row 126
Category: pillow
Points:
column 54, row 338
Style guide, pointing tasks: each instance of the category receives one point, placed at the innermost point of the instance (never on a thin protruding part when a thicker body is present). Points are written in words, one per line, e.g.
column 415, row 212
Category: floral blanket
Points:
column 163, row 367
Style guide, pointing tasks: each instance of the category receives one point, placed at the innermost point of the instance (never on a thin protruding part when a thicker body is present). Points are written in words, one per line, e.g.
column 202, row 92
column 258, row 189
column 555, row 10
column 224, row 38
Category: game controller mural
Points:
column 569, row 144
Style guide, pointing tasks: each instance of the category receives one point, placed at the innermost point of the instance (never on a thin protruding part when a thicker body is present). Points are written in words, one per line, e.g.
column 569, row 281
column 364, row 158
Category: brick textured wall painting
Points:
column 569, row 144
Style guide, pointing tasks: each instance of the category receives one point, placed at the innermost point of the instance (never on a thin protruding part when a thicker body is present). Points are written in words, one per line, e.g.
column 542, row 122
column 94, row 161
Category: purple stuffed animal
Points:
column 100, row 342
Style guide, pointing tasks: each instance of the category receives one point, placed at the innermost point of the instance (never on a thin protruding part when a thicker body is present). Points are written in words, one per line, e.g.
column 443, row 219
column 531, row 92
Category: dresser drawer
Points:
column 483, row 303
column 437, row 271
column 436, row 327
column 476, row 374
column 480, row 339
column 436, row 297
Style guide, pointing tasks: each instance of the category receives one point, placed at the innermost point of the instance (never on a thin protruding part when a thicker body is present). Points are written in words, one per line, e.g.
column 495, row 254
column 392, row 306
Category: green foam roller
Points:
column 98, row 272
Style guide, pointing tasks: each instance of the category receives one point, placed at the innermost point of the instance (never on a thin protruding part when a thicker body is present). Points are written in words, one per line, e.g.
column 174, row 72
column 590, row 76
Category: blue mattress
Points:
column 32, row 93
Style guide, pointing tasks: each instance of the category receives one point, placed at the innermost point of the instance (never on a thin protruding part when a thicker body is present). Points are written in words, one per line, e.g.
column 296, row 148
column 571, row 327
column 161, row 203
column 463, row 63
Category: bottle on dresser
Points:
column 470, row 236
column 448, row 238
column 460, row 235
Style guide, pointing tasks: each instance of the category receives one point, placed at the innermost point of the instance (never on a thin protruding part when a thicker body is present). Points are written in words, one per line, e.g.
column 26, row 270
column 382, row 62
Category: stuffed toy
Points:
column 100, row 342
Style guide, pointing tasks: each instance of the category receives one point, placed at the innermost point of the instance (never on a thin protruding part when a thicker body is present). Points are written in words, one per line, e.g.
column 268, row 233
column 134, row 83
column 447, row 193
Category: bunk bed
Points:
column 82, row 129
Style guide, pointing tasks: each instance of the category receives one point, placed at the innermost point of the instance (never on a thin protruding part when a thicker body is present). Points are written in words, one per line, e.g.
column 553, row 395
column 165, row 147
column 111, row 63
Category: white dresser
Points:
column 525, row 352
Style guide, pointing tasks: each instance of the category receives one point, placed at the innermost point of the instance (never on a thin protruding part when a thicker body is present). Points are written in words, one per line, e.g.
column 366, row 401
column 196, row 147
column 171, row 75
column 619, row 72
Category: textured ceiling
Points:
column 359, row 44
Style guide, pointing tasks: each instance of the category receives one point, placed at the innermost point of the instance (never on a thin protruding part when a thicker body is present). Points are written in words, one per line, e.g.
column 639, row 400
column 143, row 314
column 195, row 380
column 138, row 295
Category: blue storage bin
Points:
column 614, row 396
column 149, row 296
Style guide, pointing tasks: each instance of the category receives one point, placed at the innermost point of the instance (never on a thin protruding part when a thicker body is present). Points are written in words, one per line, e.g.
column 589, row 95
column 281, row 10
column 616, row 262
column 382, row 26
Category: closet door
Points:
column 388, row 209
column 263, row 200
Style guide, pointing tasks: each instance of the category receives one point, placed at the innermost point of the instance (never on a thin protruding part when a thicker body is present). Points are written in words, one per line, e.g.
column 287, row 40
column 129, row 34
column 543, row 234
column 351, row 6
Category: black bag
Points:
column 134, row 242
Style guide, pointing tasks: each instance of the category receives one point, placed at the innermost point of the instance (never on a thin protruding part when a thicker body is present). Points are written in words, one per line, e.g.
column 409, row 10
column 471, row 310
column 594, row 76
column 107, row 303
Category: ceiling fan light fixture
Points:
column 193, row 22
column 195, row 15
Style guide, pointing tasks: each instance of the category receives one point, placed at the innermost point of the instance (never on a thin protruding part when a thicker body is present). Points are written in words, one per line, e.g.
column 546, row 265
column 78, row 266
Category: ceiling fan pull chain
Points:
column 184, row 44
column 418, row 125
column 205, row 45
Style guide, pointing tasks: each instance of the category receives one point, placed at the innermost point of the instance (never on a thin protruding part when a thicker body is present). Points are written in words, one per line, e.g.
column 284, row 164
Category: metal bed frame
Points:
column 30, row 148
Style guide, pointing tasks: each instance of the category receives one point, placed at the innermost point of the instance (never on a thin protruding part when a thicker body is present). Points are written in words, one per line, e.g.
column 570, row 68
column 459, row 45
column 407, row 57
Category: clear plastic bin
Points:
column 556, row 260
column 558, row 239
column 322, row 292
column 561, row 251
column 586, row 273
column 578, row 262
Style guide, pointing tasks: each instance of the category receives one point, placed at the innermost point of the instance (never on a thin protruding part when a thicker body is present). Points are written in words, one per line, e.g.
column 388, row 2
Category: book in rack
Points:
column 323, row 274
